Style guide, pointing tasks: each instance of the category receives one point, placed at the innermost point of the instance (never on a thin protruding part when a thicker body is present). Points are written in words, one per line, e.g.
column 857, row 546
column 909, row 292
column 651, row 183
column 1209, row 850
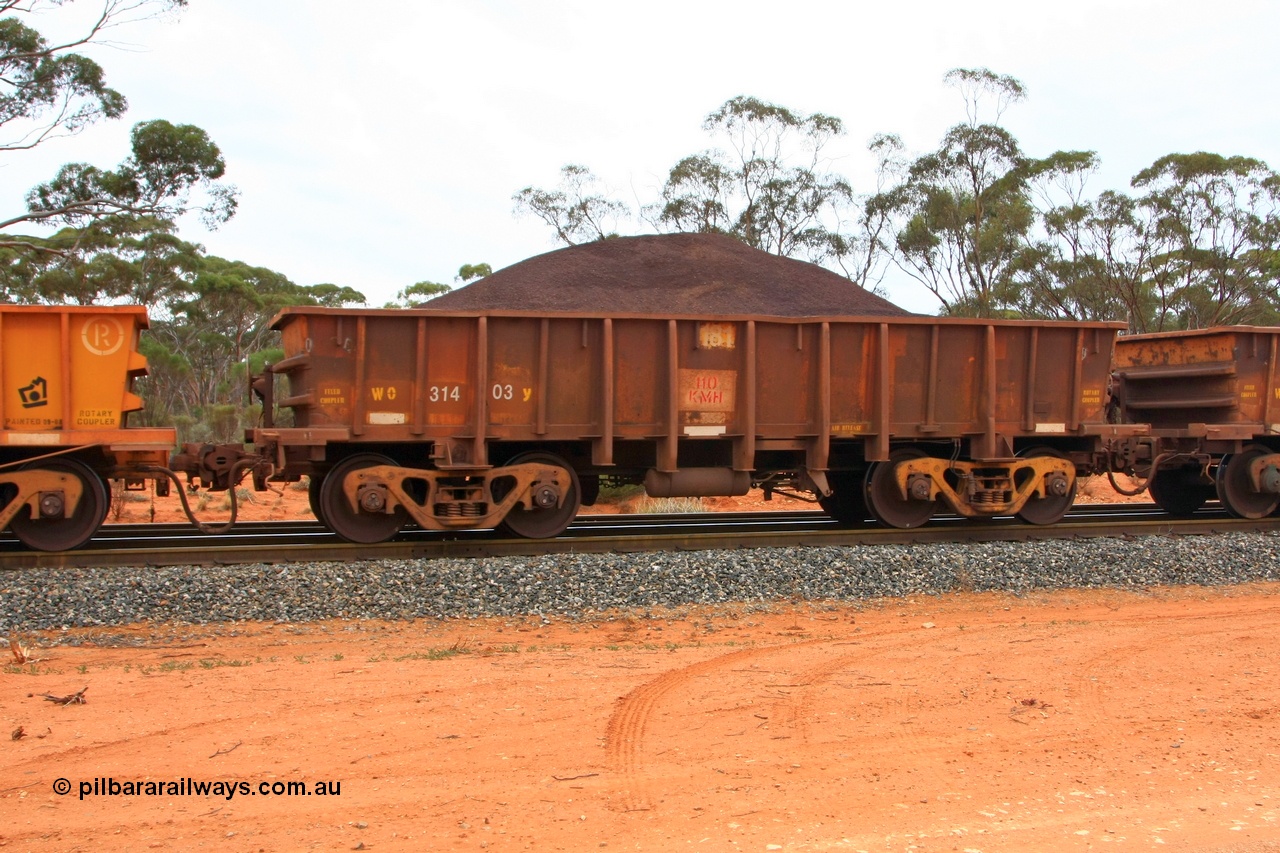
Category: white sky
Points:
column 376, row 144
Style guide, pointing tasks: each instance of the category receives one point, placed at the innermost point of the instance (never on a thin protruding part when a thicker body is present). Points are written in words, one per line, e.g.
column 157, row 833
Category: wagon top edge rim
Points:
column 279, row 320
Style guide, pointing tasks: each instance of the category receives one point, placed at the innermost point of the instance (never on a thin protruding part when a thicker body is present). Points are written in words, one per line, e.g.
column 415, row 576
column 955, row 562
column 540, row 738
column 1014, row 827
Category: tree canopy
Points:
column 988, row 229
column 109, row 235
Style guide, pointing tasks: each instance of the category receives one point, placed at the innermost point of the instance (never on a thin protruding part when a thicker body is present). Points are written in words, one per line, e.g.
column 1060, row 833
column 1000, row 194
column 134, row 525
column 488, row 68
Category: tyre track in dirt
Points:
column 1099, row 675
column 895, row 718
column 630, row 721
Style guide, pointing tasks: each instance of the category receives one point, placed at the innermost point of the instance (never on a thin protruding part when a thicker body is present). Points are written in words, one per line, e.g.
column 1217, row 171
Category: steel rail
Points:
column 281, row 542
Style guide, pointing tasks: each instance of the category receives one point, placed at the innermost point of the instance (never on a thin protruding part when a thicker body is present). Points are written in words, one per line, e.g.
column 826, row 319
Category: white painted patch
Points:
column 1051, row 427
column 704, row 430
column 33, row 438
column 384, row 418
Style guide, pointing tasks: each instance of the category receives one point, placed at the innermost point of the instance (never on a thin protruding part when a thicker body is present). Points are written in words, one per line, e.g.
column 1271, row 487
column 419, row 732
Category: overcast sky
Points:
column 377, row 144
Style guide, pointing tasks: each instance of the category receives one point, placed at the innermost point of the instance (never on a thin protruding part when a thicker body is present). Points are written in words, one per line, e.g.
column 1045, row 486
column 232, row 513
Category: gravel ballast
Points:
column 584, row 585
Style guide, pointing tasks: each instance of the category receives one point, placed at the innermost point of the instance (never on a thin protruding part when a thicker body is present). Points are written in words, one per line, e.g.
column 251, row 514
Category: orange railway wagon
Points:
column 67, row 374
column 1212, row 399
column 514, row 419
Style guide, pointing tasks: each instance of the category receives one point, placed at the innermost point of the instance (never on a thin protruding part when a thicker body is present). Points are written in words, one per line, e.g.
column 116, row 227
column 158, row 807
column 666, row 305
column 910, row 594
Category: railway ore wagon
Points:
column 1213, row 403
column 515, row 419
column 68, row 374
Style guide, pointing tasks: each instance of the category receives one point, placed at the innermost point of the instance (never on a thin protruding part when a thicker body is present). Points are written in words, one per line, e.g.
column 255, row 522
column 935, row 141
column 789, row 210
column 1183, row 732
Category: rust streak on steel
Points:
column 479, row 453
column 1076, row 383
column 990, row 394
column 1269, row 390
column 747, row 444
column 359, row 405
column 1029, row 408
column 669, row 443
column 883, row 393
column 931, row 386
column 607, row 402
column 420, row 377
column 544, row 362
column 2, row 424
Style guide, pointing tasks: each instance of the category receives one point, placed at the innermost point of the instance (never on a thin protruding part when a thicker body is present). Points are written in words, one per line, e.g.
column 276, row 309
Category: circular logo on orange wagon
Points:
column 102, row 335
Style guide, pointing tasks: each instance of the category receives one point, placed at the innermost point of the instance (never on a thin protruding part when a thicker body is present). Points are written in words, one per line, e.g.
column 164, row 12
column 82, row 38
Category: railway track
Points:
column 275, row 542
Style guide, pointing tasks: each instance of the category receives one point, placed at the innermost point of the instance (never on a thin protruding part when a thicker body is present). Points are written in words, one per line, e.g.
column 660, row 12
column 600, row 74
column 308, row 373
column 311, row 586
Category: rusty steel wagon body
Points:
column 1212, row 400
column 67, row 375
column 514, row 419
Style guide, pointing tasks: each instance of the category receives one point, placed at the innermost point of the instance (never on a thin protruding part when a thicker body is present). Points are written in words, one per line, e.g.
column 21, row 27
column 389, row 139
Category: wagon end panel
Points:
column 1210, row 376
column 385, row 377
column 69, row 368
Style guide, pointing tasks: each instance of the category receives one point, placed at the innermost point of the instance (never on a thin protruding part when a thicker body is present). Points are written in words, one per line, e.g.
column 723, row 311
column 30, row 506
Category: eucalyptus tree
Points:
column 768, row 186
column 1093, row 263
column 201, row 352
column 49, row 89
column 962, row 213
column 577, row 211
column 114, row 258
column 1212, row 224
column 417, row 293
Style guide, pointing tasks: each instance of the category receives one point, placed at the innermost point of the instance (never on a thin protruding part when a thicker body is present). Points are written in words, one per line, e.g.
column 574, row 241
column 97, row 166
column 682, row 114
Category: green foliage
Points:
column 989, row 230
column 50, row 89
column 168, row 164
column 115, row 258
column 471, row 272
column 769, row 189
column 766, row 186
column 416, row 294
column 213, row 336
column 1210, row 226
column 963, row 213
column 117, row 239
column 329, row 295
column 1196, row 249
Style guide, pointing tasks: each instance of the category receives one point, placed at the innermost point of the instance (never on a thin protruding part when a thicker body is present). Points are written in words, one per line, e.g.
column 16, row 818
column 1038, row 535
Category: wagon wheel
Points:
column 1235, row 490
column 1051, row 508
column 549, row 522
column 1179, row 492
column 357, row 525
column 846, row 503
column 880, row 488
column 106, row 500
column 64, row 532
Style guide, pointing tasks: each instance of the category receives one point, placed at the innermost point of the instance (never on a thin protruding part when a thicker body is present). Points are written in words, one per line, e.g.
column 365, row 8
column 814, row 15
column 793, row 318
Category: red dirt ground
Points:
column 1068, row 721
